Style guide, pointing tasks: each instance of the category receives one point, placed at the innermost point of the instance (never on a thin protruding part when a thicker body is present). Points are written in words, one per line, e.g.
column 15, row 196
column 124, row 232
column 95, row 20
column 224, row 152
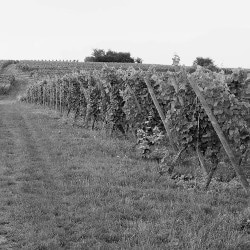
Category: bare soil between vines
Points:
column 64, row 187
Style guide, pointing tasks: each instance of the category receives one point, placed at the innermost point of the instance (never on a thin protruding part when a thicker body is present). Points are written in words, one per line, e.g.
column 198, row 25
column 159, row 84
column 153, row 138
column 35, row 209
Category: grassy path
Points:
column 63, row 187
column 29, row 167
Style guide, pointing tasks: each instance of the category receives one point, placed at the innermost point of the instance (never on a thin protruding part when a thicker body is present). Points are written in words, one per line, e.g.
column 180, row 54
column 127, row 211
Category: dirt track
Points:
column 30, row 162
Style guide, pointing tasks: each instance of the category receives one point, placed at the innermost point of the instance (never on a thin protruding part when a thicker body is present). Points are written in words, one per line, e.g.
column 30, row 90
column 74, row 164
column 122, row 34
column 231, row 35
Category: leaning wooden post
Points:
column 60, row 101
column 52, row 97
column 135, row 98
column 163, row 119
column 202, row 161
column 46, row 95
column 44, row 104
column 62, row 97
column 56, row 97
column 50, row 94
column 41, row 96
column 221, row 136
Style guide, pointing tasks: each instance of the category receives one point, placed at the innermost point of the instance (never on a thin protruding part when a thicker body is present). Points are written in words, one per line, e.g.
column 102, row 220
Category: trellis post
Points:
column 221, row 136
column 162, row 116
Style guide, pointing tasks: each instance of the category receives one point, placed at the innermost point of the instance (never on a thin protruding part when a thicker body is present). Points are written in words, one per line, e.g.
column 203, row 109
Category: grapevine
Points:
column 118, row 97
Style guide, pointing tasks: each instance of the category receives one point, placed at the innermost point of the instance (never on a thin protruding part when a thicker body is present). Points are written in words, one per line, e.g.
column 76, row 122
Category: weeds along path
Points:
column 22, row 80
column 30, row 169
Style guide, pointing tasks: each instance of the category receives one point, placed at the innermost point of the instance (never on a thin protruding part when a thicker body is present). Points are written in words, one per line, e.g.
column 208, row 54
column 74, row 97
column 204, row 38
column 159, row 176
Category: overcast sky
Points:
column 151, row 29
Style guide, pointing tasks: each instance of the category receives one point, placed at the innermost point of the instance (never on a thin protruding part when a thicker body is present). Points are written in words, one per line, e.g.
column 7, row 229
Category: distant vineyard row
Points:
column 41, row 69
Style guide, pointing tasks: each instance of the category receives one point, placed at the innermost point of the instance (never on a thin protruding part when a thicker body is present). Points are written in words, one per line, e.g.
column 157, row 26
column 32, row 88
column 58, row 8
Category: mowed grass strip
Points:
column 109, row 199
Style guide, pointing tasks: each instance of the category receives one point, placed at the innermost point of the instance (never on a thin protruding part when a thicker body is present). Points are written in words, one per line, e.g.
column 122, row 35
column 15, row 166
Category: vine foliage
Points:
column 119, row 100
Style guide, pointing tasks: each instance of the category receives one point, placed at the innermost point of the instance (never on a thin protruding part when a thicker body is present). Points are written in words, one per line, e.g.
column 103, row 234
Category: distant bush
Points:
column 89, row 59
column 7, row 83
column 138, row 60
column 8, row 62
column 227, row 71
column 24, row 67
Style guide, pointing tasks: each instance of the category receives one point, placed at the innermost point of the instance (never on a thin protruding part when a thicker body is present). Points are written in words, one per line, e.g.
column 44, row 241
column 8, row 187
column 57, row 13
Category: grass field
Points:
column 64, row 187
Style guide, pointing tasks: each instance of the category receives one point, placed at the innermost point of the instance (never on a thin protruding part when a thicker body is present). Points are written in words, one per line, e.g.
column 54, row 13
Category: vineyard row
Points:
column 170, row 113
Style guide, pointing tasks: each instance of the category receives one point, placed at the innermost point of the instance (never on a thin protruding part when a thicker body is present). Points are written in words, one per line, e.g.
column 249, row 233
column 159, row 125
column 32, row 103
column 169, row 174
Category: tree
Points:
column 100, row 55
column 97, row 53
column 89, row 59
column 176, row 60
column 205, row 62
column 138, row 60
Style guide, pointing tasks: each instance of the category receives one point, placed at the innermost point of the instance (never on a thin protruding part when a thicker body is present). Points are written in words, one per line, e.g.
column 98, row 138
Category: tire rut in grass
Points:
column 28, row 155
column 8, row 188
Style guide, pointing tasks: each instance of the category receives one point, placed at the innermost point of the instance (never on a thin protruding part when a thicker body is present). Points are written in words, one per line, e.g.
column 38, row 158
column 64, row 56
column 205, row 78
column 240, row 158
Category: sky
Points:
column 153, row 30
